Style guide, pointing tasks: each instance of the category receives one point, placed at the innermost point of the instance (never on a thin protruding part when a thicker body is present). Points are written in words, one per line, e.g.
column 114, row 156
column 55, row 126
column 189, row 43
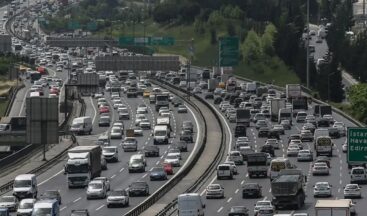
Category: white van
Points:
column 25, row 186
column 190, row 204
column 46, row 207
column 358, row 175
column 224, row 171
column 320, row 132
column 161, row 134
column 278, row 164
column 82, row 125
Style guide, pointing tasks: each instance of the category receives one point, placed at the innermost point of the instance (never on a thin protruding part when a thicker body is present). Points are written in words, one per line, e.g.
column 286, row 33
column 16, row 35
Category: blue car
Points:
column 158, row 173
column 4, row 212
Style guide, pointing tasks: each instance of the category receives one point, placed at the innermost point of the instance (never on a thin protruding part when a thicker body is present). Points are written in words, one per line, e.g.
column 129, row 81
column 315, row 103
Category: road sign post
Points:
column 357, row 145
column 228, row 51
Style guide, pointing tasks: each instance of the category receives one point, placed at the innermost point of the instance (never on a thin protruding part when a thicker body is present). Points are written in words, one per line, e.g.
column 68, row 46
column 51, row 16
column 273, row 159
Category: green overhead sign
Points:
column 357, row 145
column 72, row 25
column 228, row 51
column 150, row 41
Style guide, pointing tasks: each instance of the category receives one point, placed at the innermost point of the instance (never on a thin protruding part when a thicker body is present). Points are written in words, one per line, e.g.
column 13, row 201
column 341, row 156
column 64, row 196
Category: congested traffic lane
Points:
column 233, row 188
column 117, row 172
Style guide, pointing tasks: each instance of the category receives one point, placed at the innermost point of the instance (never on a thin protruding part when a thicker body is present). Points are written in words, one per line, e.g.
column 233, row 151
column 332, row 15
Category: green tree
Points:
column 357, row 95
column 199, row 26
column 213, row 36
column 267, row 39
column 251, row 47
column 215, row 18
column 231, row 29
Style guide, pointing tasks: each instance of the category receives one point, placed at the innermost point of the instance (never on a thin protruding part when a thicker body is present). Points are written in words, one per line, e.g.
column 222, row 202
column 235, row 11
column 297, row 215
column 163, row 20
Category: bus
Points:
column 278, row 164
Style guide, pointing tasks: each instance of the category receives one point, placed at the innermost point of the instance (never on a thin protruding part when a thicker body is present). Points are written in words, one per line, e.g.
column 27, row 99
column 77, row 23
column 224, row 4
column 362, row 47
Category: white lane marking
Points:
column 220, row 209
column 79, row 198
column 151, row 169
column 265, row 198
column 23, row 103
column 145, row 175
column 340, row 181
column 157, row 163
column 99, row 207
column 229, row 200
column 58, row 173
column 237, row 191
column 242, row 182
column 113, row 176
column 63, row 208
column 162, row 156
column 122, row 169
column 339, row 190
column 94, row 109
column 202, row 193
column 270, row 190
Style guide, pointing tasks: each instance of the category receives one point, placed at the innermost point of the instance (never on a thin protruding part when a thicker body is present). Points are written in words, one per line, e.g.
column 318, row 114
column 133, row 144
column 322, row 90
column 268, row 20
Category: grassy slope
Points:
column 206, row 54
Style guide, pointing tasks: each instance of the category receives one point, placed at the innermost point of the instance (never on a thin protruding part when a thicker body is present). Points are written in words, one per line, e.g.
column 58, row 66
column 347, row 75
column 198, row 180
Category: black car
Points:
column 274, row 134
column 151, row 151
column 187, row 125
column 322, row 122
column 238, row 211
column 268, row 149
column 139, row 188
column 218, row 100
column 186, row 135
column 51, row 194
column 263, row 132
column 251, row 190
column 334, row 133
column 181, row 145
column 176, row 101
column 240, row 130
column 237, row 102
column 209, row 95
column 79, row 212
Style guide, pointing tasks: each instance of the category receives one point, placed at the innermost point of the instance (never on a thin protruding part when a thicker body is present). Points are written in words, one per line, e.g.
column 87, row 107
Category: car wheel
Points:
column 108, row 205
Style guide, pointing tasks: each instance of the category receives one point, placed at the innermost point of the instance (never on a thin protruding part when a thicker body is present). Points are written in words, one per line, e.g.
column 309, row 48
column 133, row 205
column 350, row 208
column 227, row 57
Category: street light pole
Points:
column 308, row 45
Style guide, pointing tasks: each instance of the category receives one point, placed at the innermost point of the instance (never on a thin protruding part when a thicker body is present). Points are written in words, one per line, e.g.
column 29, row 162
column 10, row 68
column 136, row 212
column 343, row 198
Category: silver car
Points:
column 305, row 155
column 96, row 189
column 118, row 197
column 25, row 207
column 9, row 202
column 352, row 191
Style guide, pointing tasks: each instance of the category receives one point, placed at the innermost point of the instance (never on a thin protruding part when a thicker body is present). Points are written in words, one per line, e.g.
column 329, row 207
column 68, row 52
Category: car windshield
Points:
column 7, row 199
column 358, row 171
column 25, row 205
column 129, row 140
column 109, row 149
column 22, row 183
column 116, row 130
column 263, row 203
column 171, row 157
column 160, row 133
column 95, row 186
column 213, row 187
column 353, row 186
column 42, row 211
column 157, row 169
column 118, row 193
column 322, row 185
column 138, row 184
column 50, row 193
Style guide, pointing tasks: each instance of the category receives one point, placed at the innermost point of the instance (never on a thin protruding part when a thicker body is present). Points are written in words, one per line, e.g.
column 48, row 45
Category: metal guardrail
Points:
column 13, row 93
column 169, row 185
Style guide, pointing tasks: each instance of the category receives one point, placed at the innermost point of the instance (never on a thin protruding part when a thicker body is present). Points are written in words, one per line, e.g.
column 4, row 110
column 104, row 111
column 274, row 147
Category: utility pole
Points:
column 308, row 45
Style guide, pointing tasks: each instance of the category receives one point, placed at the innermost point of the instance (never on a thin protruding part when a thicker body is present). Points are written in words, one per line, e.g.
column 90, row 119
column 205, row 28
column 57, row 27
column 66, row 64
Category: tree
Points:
column 165, row 12
column 213, row 36
column 267, row 39
column 199, row 26
column 251, row 47
column 231, row 30
column 215, row 18
column 357, row 95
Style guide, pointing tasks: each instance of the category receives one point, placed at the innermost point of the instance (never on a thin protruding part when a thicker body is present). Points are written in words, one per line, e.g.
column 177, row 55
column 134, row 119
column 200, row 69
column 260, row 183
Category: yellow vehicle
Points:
column 222, row 85
column 146, row 93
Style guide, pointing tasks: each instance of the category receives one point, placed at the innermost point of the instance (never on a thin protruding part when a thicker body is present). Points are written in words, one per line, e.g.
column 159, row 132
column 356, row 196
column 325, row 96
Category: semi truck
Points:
column 275, row 105
column 285, row 114
column 161, row 100
column 299, row 104
column 339, row 207
column 212, row 84
column 257, row 164
column 83, row 164
column 287, row 189
column 325, row 110
column 293, row 91
column 243, row 116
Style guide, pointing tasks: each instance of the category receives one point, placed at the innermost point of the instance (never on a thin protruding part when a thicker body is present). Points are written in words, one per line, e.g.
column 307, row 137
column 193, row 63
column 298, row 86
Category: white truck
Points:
column 275, row 105
column 161, row 134
column 257, row 164
column 251, row 88
column 293, row 91
column 83, row 164
column 164, row 121
column 339, row 207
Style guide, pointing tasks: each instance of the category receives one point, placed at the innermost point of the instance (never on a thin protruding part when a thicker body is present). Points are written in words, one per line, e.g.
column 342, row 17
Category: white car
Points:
column 138, row 131
column 320, row 168
column 105, row 180
column 118, row 197
column 145, row 124
column 345, row 146
column 292, row 150
column 233, row 166
column 96, row 189
column 328, row 117
column 26, row 207
column 305, row 155
column 272, row 142
column 116, row 133
column 110, row 153
column 322, row 189
column 141, row 110
column 341, row 128
column 9, row 202
column 263, row 205
column 214, row 191
column 176, row 152
column 352, row 191
column 172, row 159
column 138, row 118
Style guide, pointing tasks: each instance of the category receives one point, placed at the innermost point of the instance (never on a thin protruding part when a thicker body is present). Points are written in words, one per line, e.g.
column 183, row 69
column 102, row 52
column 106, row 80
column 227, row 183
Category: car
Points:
column 320, row 168
column 103, row 109
column 182, row 109
column 9, row 202
column 345, row 146
column 105, row 180
column 116, row 133
column 188, row 125
column 197, row 90
column 25, row 207
column 145, row 124
column 309, row 126
column 158, row 173
column 301, row 116
column 263, row 132
column 80, row 212
column 233, row 166
column 286, row 124
column 322, row 189
column 181, row 145
column 214, row 191
column 329, row 118
column 143, row 108
column 104, row 121
column 334, row 133
column 341, row 127
column 251, row 190
column 292, row 150
column 263, row 205
column 96, row 189
column 272, row 142
column 110, row 153
column 238, row 211
column 306, row 135
column 323, row 159
column 358, row 175
column 123, row 113
column 304, row 155
column 352, row 191
column 138, row 118
column 187, row 136
column 168, row 168
column 151, row 151
column 224, row 171
column 118, row 197
column 103, row 163
column 51, row 194
column 138, row 131
column 209, row 95
column 268, row 149
column 130, row 144
column 261, row 123
column 138, row 188
column 172, row 159
column 278, row 128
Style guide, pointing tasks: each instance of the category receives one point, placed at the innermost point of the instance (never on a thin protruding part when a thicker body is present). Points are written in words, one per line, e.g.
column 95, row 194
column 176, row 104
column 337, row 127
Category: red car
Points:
column 54, row 91
column 168, row 168
column 104, row 109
